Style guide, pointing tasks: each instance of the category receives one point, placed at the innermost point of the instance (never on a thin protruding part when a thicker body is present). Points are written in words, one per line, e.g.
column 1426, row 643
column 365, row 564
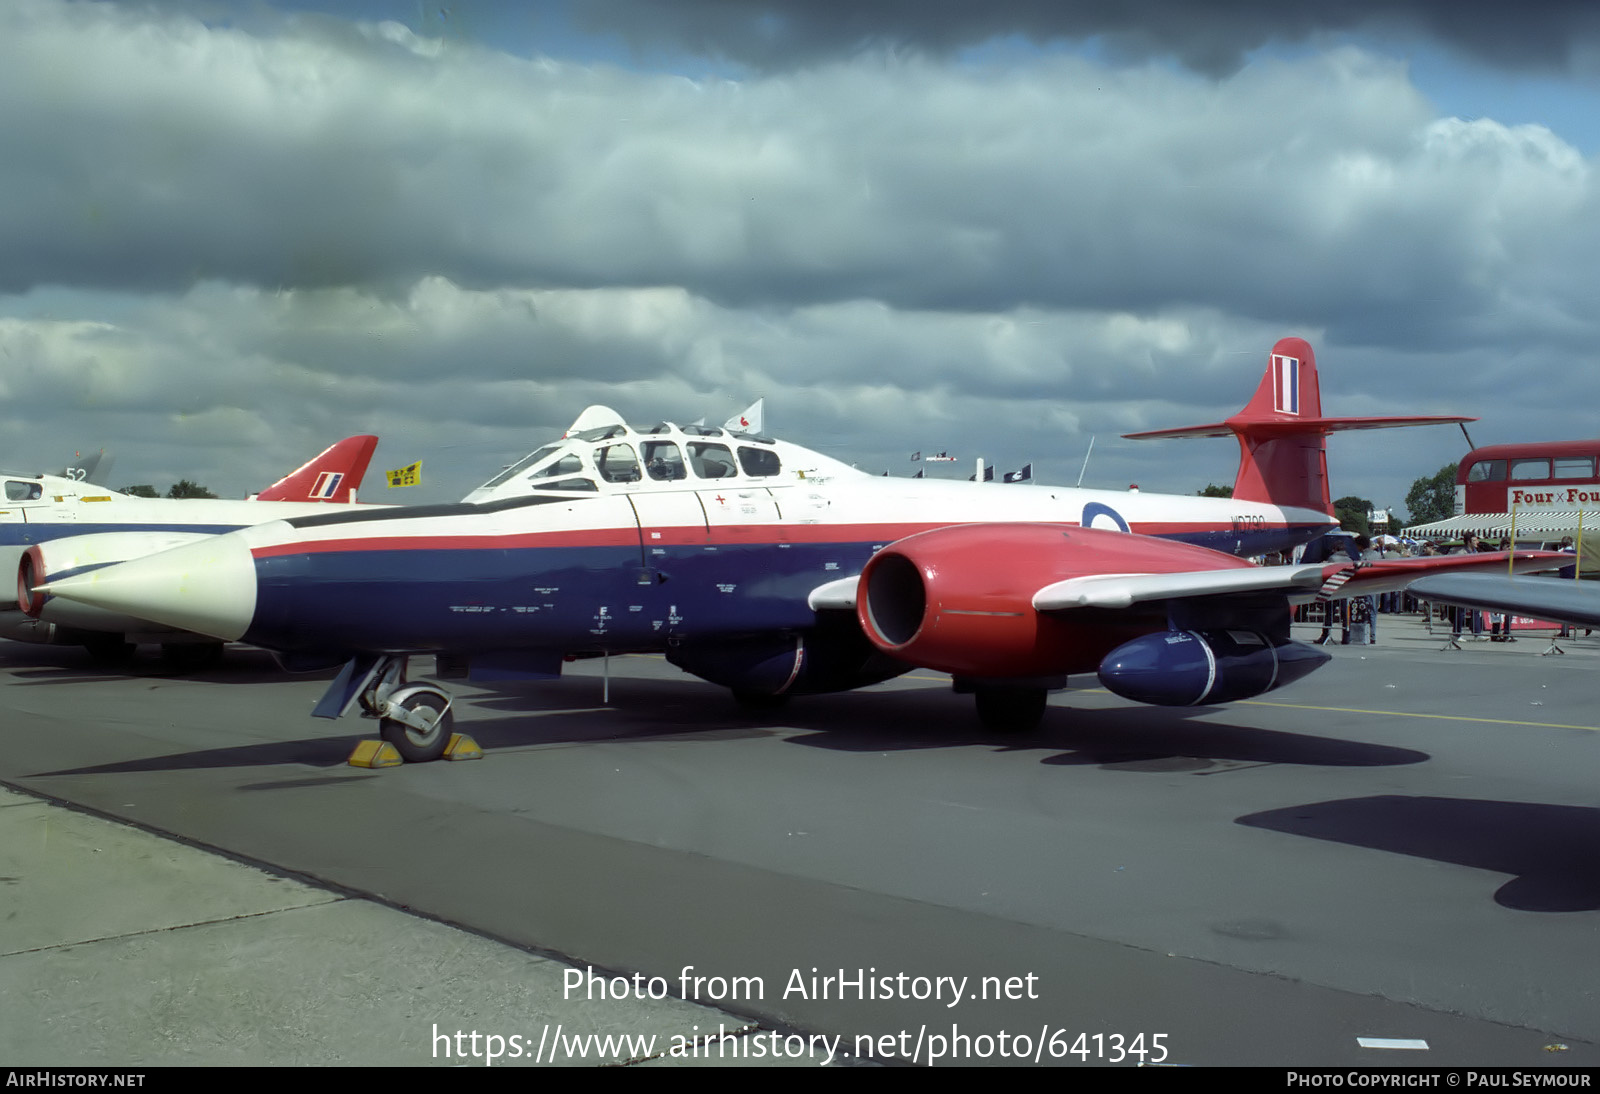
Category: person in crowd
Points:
column 1500, row 622
column 1570, row 573
column 1460, row 615
column 1365, row 607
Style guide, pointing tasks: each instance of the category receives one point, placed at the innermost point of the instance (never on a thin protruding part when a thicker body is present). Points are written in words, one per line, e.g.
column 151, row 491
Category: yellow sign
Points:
column 409, row 475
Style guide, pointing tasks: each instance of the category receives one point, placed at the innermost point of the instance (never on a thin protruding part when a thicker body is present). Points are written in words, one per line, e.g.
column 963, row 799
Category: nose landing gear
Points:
column 413, row 717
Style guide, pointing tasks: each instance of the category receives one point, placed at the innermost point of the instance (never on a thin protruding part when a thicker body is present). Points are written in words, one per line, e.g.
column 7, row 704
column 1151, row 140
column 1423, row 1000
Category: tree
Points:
column 1352, row 513
column 1433, row 497
column 144, row 490
column 1212, row 490
column 183, row 488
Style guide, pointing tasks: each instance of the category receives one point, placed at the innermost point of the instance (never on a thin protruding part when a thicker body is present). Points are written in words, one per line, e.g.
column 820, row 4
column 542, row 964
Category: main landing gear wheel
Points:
column 109, row 649
column 191, row 656
column 755, row 702
column 418, row 745
column 1011, row 710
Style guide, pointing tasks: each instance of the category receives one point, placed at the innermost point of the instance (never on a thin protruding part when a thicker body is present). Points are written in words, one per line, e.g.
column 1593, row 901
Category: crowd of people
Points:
column 1357, row 616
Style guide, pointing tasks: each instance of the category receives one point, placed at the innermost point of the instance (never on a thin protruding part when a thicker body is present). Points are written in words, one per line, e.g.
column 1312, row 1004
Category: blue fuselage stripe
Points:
column 23, row 534
column 569, row 598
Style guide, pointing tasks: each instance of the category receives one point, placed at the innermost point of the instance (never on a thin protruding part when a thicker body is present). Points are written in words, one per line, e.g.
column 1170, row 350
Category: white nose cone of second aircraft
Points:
column 207, row 587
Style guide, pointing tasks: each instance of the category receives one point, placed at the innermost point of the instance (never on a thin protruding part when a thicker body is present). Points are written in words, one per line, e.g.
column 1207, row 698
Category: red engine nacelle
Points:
column 960, row 599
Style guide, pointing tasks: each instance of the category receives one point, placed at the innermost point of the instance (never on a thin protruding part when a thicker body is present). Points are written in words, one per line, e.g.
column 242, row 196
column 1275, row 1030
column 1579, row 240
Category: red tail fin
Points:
column 1282, row 460
column 332, row 476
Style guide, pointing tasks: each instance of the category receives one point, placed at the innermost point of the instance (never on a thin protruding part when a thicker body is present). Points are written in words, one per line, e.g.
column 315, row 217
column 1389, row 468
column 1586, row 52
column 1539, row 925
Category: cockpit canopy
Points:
column 603, row 453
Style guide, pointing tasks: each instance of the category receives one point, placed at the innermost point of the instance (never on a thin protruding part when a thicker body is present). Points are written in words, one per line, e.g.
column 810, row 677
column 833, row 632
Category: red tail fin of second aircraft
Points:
column 1282, row 460
column 332, row 476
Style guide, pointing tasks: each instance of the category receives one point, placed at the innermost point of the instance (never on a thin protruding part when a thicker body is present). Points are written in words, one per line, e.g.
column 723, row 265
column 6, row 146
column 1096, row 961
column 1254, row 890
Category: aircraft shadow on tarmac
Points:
column 56, row 665
column 1553, row 850
column 307, row 752
column 1135, row 739
column 1145, row 739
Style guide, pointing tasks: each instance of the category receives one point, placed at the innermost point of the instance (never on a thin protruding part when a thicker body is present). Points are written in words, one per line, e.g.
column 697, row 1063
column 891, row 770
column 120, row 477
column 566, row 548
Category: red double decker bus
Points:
column 1547, row 476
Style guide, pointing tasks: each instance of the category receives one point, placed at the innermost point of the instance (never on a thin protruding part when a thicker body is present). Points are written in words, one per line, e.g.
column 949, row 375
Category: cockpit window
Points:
column 702, row 431
column 617, row 463
column 521, row 465
column 582, row 486
column 662, row 461
column 570, row 464
column 758, row 462
column 711, row 461
column 24, row 491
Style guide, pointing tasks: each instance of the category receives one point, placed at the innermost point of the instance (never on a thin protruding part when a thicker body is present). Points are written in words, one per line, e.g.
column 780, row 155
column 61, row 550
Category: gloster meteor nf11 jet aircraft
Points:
column 71, row 524
column 776, row 571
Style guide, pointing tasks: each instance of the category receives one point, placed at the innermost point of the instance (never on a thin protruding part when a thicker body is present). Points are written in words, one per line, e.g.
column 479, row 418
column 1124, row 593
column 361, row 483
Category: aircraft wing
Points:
column 1120, row 590
column 334, row 475
column 1123, row 590
column 1393, row 574
column 1299, row 583
column 1540, row 597
column 1330, row 580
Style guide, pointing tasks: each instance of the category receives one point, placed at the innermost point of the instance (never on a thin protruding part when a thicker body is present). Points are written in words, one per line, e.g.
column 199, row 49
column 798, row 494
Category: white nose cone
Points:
column 207, row 587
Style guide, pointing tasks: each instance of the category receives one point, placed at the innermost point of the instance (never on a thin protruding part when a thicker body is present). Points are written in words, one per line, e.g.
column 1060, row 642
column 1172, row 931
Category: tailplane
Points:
column 1282, row 459
column 332, row 476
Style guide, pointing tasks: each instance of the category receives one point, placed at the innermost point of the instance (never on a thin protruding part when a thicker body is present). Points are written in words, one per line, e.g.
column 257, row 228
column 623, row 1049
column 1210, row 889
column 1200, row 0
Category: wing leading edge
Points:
column 1542, row 598
column 1299, row 583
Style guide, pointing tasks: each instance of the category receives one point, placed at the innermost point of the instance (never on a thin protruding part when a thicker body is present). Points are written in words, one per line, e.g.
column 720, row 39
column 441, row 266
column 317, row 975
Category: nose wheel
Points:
column 422, row 731
column 414, row 718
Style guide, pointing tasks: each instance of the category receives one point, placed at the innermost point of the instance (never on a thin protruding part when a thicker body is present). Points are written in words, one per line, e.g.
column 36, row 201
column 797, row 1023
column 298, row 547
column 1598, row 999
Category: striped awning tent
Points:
column 1537, row 525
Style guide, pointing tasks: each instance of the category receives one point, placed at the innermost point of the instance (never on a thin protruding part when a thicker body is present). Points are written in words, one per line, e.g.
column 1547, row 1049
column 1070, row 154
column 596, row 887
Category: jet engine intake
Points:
column 960, row 599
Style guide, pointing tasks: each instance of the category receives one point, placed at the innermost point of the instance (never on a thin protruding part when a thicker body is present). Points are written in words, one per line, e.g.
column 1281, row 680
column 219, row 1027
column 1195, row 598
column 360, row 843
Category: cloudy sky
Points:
column 232, row 232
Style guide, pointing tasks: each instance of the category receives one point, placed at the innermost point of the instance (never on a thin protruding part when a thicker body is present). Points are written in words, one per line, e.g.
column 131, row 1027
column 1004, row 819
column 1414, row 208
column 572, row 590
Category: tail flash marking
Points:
column 327, row 484
column 1286, row 374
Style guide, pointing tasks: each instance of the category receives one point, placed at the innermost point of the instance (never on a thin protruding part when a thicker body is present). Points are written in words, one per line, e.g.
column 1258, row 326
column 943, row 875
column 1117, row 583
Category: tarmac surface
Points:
column 1404, row 846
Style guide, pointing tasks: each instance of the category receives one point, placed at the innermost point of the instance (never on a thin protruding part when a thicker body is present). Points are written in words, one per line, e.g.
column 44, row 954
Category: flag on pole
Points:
column 409, row 475
column 751, row 421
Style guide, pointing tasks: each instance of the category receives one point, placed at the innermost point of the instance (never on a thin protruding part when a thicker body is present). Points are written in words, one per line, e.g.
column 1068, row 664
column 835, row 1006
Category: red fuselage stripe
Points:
column 754, row 535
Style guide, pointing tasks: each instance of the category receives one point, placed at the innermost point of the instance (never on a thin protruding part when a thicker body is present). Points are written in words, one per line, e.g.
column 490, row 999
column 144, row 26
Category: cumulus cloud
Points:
column 1321, row 187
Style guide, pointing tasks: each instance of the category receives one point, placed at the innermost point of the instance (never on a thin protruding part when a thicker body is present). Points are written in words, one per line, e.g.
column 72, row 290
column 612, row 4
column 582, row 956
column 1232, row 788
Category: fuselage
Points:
column 619, row 539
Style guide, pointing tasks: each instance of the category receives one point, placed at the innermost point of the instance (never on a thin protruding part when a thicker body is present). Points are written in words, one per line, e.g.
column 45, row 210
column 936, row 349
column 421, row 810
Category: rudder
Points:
column 1281, row 431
